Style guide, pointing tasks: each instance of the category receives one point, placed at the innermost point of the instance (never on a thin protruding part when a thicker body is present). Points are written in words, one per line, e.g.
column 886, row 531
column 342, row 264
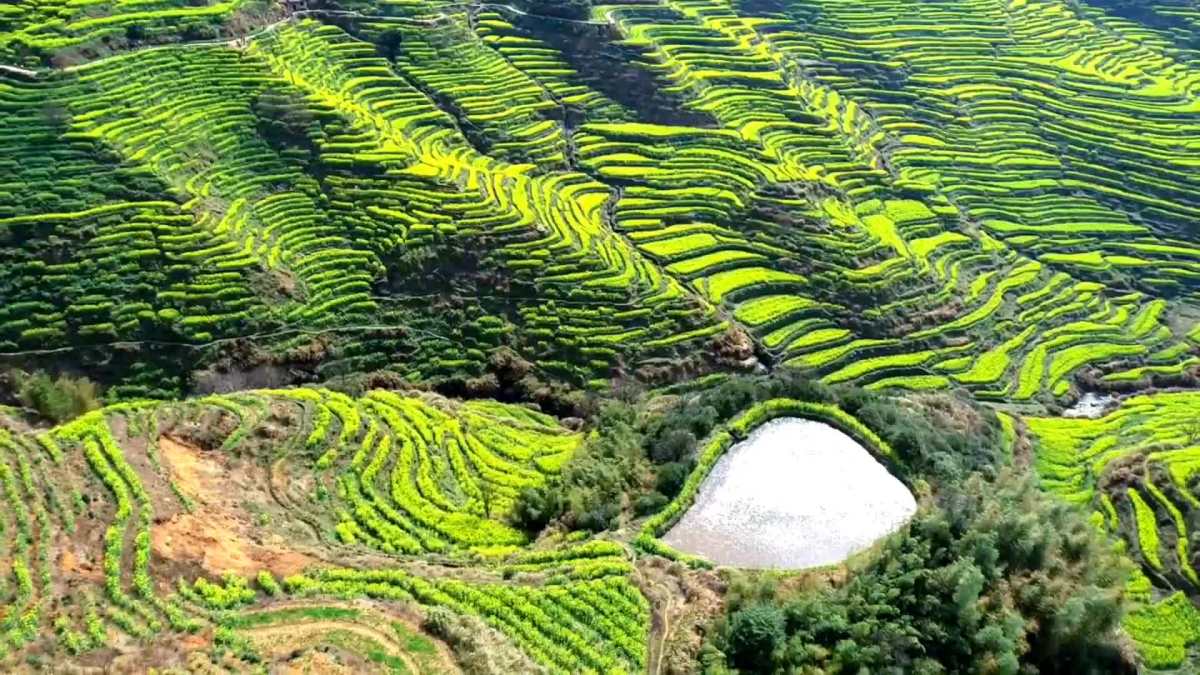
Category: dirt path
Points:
column 290, row 636
column 661, row 620
column 683, row 603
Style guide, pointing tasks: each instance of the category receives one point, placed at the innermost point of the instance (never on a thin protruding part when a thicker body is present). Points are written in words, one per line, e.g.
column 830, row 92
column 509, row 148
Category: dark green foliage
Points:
column 591, row 492
column 990, row 577
column 671, row 477
column 936, row 437
column 283, row 120
column 539, row 506
column 643, row 454
column 674, row 445
column 941, row 438
column 673, row 435
column 755, row 633
column 388, row 43
column 650, row 503
column 609, row 463
column 563, row 9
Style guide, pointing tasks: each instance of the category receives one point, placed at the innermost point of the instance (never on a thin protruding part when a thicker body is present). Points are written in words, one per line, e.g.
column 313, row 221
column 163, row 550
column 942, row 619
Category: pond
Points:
column 795, row 494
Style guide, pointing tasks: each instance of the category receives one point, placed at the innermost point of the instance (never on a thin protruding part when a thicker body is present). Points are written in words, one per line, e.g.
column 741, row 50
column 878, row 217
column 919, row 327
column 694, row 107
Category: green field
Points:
column 390, row 267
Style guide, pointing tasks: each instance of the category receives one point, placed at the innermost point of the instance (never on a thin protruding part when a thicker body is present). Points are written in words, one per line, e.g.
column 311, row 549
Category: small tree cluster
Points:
column 994, row 577
column 56, row 399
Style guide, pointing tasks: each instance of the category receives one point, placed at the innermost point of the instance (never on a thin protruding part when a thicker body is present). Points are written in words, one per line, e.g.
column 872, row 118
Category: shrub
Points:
column 649, row 503
column 267, row 582
column 538, row 506
column 233, row 591
column 671, row 477
column 58, row 400
column 674, row 446
column 755, row 633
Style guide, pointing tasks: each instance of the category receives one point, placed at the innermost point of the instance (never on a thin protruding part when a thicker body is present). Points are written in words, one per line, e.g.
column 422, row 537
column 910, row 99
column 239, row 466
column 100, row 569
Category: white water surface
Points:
column 1091, row 405
column 795, row 494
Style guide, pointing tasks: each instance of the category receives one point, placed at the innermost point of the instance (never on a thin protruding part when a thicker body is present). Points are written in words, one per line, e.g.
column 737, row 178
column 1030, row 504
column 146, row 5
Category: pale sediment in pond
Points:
column 796, row 493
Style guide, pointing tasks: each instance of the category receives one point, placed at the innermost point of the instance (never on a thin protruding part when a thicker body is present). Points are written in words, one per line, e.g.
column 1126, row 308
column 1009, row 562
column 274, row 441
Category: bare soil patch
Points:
column 72, row 565
column 218, row 533
column 683, row 603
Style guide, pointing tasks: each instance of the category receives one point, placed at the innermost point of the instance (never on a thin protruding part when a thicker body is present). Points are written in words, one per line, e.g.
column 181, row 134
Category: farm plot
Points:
column 1011, row 324
column 133, row 485
column 39, row 32
column 1136, row 469
column 255, row 242
column 985, row 196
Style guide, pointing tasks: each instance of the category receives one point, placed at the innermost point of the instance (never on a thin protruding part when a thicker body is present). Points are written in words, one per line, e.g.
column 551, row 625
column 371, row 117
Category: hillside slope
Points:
column 231, row 213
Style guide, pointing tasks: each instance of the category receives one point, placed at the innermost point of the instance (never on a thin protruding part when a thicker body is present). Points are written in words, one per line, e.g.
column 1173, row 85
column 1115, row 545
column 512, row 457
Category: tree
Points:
column 388, row 43
column 992, row 577
column 538, row 506
column 592, row 489
column 755, row 633
column 284, row 120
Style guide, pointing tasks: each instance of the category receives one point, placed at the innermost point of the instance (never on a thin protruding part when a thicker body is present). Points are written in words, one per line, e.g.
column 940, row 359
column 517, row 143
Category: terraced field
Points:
column 1135, row 470
column 205, row 206
column 101, row 508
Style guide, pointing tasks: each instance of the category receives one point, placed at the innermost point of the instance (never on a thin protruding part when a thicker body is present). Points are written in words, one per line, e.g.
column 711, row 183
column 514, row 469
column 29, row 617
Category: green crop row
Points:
column 1073, row 458
column 418, row 475
column 597, row 625
column 1164, row 630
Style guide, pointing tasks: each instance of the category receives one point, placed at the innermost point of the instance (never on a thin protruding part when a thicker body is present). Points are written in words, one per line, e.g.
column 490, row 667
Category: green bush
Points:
column 649, row 503
column 538, row 506
column 672, row 477
column 58, row 400
column 755, row 633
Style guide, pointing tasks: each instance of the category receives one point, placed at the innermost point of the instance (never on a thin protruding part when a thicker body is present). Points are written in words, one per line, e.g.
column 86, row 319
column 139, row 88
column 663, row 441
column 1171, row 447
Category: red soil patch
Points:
column 71, row 566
